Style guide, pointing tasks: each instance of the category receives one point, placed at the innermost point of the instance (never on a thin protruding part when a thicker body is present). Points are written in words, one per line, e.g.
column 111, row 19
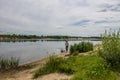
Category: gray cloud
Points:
column 81, row 23
column 110, row 7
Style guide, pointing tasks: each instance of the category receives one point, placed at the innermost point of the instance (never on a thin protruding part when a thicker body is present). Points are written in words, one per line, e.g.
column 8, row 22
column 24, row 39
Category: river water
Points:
column 32, row 51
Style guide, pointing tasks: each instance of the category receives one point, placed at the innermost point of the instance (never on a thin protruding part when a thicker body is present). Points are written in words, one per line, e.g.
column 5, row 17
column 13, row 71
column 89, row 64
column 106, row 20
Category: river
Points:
column 32, row 51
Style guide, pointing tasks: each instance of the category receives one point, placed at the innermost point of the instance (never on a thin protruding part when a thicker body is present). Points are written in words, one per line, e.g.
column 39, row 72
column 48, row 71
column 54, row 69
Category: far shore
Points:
column 49, row 39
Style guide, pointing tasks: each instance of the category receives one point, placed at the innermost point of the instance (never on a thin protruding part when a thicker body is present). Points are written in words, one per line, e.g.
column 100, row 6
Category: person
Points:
column 66, row 46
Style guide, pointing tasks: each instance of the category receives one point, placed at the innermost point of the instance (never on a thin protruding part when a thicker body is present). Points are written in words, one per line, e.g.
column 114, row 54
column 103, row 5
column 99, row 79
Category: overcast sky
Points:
column 59, row 17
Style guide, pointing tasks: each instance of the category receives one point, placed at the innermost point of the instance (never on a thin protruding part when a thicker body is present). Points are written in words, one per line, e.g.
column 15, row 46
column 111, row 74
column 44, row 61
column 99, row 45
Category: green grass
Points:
column 6, row 63
column 88, row 67
column 93, row 68
column 82, row 75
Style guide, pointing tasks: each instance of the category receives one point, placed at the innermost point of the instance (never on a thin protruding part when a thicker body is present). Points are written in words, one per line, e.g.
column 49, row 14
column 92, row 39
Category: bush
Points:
column 81, row 47
column 111, row 48
column 8, row 63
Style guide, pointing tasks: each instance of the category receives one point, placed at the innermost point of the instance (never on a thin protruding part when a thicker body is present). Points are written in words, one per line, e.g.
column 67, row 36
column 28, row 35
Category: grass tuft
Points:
column 6, row 63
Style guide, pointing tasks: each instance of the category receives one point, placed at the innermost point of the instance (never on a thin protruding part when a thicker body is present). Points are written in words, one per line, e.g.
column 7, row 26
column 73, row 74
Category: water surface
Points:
column 32, row 51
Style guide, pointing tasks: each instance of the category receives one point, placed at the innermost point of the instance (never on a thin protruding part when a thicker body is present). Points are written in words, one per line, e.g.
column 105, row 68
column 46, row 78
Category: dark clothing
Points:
column 66, row 46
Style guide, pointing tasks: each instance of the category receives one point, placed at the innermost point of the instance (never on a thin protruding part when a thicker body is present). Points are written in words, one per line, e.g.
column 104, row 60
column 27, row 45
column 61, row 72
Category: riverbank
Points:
column 26, row 71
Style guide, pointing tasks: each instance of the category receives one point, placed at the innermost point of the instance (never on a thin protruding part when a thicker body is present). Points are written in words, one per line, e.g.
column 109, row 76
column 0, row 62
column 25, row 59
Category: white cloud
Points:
column 57, row 16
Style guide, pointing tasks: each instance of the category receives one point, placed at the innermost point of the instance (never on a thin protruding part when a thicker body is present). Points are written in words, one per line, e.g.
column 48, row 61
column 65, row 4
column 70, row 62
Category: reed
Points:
column 6, row 63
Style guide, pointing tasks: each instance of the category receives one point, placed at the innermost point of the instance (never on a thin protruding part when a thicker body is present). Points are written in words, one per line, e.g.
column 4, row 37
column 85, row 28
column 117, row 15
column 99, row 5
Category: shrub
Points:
column 8, row 63
column 111, row 48
column 81, row 47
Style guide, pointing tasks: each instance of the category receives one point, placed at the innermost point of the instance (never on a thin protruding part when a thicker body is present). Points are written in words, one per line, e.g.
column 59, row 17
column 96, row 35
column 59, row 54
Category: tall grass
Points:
column 6, row 63
column 111, row 48
column 81, row 47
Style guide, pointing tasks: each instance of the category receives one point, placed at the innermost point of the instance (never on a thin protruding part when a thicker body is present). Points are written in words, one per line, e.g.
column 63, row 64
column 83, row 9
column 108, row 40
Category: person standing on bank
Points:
column 66, row 46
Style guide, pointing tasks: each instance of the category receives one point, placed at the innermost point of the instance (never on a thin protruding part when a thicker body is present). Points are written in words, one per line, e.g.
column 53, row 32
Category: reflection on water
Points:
column 35, row 50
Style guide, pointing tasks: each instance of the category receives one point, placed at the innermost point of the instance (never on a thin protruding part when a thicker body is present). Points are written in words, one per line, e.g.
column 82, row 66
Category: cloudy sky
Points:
column 59, row 17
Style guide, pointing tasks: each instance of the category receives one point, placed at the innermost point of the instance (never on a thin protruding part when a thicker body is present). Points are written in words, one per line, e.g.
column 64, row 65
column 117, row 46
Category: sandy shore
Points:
column 26, row 71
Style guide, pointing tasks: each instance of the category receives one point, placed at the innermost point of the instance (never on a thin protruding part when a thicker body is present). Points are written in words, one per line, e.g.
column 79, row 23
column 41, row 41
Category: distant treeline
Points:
column 59, row 37
column 15, row 36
